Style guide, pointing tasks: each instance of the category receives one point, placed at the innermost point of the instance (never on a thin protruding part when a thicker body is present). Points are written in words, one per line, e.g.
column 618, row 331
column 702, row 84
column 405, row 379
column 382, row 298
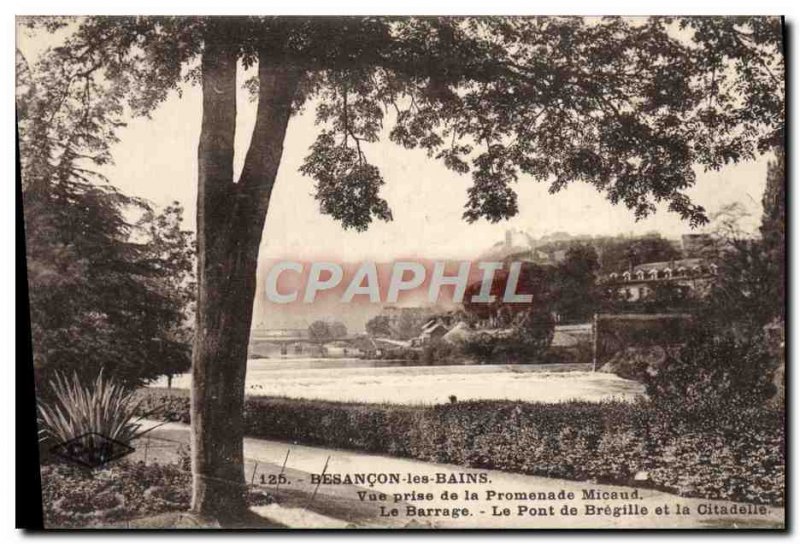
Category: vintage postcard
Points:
column 491, row 272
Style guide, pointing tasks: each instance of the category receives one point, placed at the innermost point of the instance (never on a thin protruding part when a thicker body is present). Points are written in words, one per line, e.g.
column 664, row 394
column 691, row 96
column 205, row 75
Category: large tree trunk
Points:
column 230, row 220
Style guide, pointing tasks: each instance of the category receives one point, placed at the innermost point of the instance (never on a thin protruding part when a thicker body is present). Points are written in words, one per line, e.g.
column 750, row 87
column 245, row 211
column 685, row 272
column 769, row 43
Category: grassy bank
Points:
column 736, row 456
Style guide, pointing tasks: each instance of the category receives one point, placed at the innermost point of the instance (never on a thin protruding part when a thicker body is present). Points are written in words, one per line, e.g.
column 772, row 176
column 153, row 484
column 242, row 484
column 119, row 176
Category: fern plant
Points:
column 103, row 408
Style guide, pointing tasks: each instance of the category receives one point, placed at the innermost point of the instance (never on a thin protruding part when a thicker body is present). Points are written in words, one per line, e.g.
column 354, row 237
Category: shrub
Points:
column 527, row 338
column 714, row 373
column 438, row 352
column 480, row 345
column 533, row 335
column 104, row 408
column 164, row 404
column 738, row 454
column 76, row 498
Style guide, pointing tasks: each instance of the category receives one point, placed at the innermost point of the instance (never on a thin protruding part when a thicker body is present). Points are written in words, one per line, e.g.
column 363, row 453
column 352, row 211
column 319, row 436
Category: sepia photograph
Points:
column 402, row 272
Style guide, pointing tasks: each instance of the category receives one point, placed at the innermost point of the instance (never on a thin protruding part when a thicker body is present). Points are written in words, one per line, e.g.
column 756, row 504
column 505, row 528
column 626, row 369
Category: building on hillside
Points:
column 517, row 245
column 433, row 330
column 696, row 275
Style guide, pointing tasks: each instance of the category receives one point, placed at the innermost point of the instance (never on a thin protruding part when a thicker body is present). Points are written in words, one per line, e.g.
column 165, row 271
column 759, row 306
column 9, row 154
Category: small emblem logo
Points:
column 92, row 450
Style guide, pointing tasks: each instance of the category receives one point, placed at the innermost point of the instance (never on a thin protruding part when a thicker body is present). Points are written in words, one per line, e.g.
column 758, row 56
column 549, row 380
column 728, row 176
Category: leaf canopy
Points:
column 630, row 106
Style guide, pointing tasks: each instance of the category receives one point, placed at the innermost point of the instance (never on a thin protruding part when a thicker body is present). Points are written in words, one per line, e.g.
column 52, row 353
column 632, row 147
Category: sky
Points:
column 156, row 159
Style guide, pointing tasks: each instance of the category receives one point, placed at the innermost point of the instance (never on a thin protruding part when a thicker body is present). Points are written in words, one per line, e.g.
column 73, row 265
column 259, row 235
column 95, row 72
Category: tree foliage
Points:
column 325, row 331
column 773, row 226
column 338, row 329
column 773, row 223
column 379, row 326
column 520, row 329
column 750, row 290
column 576, row 295
column 627, row 105
column 319, row 331
column 714, row 372
column 171, row 250
column 105, row 293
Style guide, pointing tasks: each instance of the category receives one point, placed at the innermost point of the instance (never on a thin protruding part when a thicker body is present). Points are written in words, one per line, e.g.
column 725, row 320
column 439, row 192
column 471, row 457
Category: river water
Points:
column 404, row 382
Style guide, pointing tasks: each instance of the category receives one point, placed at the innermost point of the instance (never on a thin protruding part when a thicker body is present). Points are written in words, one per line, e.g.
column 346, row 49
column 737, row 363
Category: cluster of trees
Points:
column 617, row 253
column 380, row 326
column 731, row 360
column 326, row 331
column 527, row 327
column 750, row 290
column 575, row 278
column 110, row 279
column 406, row 326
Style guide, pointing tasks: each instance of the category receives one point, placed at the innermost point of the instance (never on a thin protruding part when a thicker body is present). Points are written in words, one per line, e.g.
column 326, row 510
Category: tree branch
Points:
column 278, row 83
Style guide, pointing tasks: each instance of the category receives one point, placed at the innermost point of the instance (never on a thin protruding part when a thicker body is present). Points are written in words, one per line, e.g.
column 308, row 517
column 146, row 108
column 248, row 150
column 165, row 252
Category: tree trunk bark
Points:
column 230, row 221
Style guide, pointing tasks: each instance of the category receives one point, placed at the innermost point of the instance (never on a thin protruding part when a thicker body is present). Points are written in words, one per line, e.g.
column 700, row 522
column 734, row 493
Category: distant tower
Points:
column 508, row 238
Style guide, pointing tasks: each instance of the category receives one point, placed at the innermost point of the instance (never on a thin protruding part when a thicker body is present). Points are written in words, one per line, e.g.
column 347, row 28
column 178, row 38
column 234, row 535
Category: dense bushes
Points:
column 73, row 497
column 527, row 338
column 714, row 372
column 730, row 455
column 439, row 352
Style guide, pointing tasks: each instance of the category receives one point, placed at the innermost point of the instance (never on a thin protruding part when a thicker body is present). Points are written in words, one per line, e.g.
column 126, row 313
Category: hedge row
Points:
column 737, row 456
